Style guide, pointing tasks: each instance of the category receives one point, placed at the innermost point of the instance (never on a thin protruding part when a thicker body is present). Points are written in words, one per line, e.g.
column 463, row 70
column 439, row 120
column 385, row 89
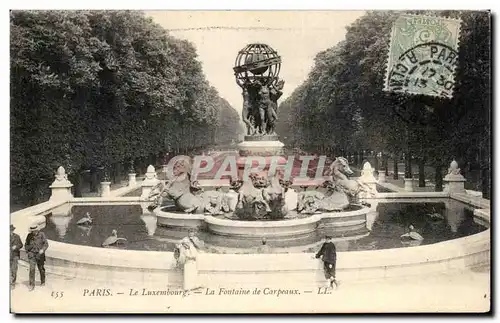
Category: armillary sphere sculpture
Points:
column 256, row 70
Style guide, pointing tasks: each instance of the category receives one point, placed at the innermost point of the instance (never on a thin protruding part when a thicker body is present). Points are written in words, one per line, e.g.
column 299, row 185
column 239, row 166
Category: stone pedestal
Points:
column 61, row 187
column 408, row 184
column 263, row 148
column 258, row 147
column 164, row 168
column 368, row 179
column 131, row 179
column 454, row 185
column 150, row 181
column 454, row 182
column 105, row 189
column 381, row 176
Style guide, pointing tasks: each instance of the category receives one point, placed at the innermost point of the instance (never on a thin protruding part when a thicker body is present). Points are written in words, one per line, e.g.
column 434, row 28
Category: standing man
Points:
column 36, row 245
column 328, row 254
column 15, row 245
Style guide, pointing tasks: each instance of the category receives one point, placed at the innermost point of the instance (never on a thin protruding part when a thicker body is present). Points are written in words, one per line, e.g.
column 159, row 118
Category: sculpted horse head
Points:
column 340, row 168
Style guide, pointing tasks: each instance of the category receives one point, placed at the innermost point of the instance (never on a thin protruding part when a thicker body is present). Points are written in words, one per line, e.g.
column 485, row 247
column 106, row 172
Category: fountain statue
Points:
column 257, row 197
column 260, row 198
column 259, row 193
column 257, row 73
column 340, row 191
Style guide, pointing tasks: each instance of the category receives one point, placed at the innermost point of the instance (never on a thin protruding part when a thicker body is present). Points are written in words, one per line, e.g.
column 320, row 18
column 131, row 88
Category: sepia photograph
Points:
column 237, row 161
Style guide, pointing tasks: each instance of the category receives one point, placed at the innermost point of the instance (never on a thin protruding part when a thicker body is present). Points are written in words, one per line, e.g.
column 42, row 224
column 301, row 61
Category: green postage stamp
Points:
column 423, row 54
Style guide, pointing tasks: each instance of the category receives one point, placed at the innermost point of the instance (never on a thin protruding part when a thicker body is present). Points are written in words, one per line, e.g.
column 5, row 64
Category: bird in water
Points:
column 412, row 235
column 86, row 220
column 111, row 240
column 435, row 215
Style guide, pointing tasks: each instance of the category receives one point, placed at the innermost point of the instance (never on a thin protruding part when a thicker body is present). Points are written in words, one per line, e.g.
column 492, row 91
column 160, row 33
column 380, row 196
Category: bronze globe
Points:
column 257, row 62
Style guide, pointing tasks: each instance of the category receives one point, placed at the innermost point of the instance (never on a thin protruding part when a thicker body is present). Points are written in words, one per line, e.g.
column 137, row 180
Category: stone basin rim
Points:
column 269, row 223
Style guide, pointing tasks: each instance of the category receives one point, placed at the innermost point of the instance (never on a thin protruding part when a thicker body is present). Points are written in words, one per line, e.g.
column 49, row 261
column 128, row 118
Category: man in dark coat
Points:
column 15, row 245
column 36, row 245
column 328, row 254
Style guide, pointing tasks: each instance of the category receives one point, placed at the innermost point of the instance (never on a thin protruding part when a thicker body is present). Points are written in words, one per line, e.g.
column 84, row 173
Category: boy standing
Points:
column 328, row 254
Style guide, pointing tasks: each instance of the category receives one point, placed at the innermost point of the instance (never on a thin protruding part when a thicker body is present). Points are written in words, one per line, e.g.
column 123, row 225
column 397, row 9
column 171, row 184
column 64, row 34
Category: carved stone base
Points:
column 262, row 138
column 454, row 184
column 261, row 148
column 131, row 179
column 381, row 176
column 61, row 192
column 105, row 189
column 408, row 184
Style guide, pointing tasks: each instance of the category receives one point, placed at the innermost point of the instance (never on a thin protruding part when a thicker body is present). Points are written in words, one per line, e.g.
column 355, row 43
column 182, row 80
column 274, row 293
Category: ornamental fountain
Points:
column 261, row 201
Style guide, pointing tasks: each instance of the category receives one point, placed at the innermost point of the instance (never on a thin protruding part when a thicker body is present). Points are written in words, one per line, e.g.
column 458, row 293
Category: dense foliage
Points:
column 341, row 107
column 94, row 89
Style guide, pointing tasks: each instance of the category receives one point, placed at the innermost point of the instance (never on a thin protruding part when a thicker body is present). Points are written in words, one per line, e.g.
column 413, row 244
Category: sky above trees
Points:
column 218, row 36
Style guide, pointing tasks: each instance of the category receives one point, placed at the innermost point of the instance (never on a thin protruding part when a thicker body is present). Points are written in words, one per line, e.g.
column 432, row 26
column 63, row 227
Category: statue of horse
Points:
column 339, row 171
column 335, row 199
column 340, row 191
column 180, row 190
column 188, row 196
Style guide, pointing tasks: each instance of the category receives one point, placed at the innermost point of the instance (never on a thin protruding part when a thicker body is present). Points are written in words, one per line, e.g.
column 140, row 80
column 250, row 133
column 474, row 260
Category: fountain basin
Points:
column 165, row 216
column 344, row 222
column 104, row 265
column 255, row 229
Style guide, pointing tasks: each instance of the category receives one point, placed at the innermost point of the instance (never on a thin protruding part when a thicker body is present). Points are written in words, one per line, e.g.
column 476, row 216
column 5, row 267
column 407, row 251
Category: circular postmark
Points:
column 427, row 69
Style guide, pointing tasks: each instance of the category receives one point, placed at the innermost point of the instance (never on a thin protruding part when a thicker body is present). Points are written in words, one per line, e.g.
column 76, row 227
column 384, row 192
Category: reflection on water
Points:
column 385, row 224
column 150, row 223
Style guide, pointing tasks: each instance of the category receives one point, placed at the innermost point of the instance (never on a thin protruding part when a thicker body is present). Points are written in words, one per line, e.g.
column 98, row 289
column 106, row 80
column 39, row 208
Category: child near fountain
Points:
column 328, row 254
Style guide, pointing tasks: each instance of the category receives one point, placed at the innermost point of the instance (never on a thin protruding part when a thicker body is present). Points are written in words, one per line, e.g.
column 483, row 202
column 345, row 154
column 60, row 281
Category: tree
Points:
column 93, row 89
column 342, row 104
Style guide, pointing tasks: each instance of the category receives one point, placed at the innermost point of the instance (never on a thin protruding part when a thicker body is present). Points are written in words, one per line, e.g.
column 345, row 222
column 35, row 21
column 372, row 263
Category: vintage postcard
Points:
column 250, row 161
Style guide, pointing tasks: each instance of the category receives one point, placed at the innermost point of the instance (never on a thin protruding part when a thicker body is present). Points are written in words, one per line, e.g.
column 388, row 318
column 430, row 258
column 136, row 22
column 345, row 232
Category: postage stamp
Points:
column 423, row 54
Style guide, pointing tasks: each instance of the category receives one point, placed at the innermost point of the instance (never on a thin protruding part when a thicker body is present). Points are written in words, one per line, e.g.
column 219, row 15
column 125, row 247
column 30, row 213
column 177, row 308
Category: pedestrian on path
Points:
column 328, row 254
column 15, row 246
column 36, row 245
